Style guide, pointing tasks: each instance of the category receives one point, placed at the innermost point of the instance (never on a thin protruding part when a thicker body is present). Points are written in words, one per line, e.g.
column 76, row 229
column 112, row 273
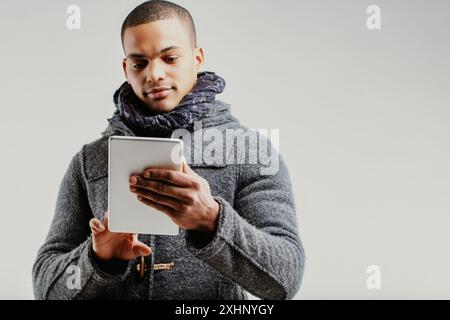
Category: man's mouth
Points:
column 158, row 92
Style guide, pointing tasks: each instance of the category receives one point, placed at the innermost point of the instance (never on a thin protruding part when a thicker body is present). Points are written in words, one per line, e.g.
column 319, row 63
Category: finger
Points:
column 96, row 226
column 165, row 209
column 163, row 188
column 171, row 176
column 174, row 203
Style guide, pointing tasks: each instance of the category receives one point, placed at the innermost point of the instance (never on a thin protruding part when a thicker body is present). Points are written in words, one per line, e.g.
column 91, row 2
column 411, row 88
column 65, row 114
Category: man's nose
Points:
column 154, row 72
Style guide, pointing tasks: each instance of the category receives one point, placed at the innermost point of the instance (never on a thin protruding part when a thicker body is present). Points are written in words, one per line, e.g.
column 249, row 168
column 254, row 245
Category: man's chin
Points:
column 160, row 106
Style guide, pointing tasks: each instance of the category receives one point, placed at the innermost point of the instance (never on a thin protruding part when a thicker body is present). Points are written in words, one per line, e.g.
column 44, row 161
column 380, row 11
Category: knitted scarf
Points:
column 143, row 121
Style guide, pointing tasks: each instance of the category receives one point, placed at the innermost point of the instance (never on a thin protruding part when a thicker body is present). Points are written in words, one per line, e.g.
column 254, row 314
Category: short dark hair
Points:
column 156, row 10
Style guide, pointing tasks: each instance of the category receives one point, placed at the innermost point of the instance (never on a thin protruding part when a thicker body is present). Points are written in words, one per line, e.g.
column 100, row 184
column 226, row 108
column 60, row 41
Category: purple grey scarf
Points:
column 141, row 120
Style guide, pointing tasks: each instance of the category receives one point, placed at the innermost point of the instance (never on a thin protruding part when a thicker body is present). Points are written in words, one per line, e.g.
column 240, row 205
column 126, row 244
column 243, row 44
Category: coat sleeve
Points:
column 256, row 243
column 65, row 266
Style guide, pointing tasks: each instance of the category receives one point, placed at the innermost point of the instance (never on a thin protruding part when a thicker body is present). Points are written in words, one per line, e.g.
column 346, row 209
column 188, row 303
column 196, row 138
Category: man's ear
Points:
column 124, row 66
column 199, row 58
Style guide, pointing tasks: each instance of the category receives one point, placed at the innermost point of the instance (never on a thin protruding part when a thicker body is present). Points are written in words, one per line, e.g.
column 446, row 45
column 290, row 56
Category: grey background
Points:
column 363, row 118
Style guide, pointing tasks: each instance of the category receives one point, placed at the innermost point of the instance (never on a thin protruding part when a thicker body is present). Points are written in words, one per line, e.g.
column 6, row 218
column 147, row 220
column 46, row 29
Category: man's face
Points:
column 160, row 64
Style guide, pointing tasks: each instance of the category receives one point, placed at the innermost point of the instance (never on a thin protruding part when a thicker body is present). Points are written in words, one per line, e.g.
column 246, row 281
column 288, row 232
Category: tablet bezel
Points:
column 169, row 228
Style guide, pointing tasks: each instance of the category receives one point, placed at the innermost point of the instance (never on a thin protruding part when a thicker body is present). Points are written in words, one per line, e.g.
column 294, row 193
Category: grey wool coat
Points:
column 256, row 246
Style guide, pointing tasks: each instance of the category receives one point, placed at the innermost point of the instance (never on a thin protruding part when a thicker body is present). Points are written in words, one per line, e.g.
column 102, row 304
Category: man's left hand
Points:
column 184, row 196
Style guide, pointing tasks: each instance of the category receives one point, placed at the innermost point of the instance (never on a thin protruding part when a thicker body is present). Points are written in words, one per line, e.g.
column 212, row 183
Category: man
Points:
column 237, row 227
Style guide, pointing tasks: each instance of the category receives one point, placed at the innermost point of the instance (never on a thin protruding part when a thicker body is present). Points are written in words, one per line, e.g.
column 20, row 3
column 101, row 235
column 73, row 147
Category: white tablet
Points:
column 132, row 155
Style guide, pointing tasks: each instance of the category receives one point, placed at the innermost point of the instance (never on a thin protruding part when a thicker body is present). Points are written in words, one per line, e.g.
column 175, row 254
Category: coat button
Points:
column 141, row 267
column 164, row 266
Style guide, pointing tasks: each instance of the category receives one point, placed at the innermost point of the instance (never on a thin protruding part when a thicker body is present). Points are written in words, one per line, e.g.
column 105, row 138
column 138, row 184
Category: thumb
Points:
column 142, row 249
column 106, row 220
column 187, row 169
column 184, row 165
column 96, row 226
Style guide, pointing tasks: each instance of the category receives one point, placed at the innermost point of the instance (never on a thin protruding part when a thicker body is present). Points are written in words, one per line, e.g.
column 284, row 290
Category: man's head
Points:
column 159, row 41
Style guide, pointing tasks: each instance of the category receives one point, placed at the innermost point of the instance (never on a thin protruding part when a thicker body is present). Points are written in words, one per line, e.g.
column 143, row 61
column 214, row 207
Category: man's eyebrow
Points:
column 143, row 56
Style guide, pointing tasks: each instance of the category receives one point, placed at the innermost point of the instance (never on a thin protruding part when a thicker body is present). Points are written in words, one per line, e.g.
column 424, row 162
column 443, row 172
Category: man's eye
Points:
column 138, row 66
column 172, row 59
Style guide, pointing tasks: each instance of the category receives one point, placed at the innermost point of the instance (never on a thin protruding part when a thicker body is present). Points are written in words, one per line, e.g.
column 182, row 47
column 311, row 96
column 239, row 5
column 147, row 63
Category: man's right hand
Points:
column 109, row 245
